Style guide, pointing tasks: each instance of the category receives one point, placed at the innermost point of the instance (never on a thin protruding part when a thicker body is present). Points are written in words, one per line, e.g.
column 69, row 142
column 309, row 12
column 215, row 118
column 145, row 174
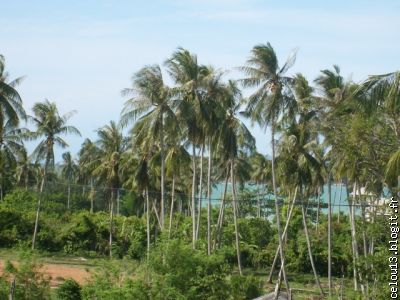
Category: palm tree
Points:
column 272, row 97
column 11, row 147
column 177, row 160
column 49, row 126
column 11, row 112
column 261, row 174
column 234, row 137
column 69, row 170
column 299, row 165
column 25, row 169
column 151, row 99
column 212, row 108
column 87, row 162
column 111, row 145
column 188, row 74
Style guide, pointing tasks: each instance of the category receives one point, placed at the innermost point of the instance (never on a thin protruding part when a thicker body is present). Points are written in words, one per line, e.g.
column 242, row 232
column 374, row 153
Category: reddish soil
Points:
column 61, row 272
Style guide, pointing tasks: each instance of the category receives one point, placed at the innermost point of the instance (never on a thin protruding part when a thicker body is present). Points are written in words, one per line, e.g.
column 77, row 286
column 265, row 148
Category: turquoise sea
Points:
column 338, row 195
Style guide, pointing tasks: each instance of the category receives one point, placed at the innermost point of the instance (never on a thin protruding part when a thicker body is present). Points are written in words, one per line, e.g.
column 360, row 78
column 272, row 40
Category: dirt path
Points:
column 60, row 272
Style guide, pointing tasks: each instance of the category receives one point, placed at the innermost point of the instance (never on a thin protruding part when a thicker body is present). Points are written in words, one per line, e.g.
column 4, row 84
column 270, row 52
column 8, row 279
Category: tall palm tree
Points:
column 151, row 99
column 69, row 170
column 296, row 154
column 261, row 174
column 188, row 74
column 234, row 137
column 11, row 147
column 111, row 145
column 272, row 97
column 11, row 112
column 26, row 169
column 212, row 103
column 177, row 160
column 50, row 126
column 87, row 162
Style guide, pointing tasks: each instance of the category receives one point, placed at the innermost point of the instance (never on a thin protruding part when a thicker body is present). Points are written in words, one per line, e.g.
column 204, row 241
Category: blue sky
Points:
column 81, row 54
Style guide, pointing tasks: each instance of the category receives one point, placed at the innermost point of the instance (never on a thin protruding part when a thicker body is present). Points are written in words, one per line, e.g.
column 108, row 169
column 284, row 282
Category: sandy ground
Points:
column 61, row 272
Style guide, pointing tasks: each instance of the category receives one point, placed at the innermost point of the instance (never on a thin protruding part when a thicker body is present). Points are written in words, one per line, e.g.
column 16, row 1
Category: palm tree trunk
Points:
column 340, row 201
column 91, row 196
column 209, row 198
column 157, row 215
column 39, row 204
column 118, row 200
column 162, row 213
column 283, row 236
column 221, row 212
column 69, row 195
column 235, row 217
column 365, row 244
column 171, row 214
column 148, row 222
column 329, row 236
column 310, row 251
column 318, row 209
column 258, row 201
column 200, row 193
column 353, row 236
column 278, row 219
column 193, row 196
column 111, row 221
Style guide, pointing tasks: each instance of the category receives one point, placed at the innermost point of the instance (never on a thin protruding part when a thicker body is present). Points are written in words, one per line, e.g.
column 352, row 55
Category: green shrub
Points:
column 245, row 287
column 31, row 284
column 69, row 290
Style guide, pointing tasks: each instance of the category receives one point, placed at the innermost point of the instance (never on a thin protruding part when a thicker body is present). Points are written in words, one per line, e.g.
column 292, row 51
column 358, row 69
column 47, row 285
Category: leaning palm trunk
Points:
column 38, row 210
column 221, row 214
column 200, row 192
column 162, row 212
column 171, row 213
column 278, row 219
column 234, row 207
column 209, row 198
column 193, row 197
column 310, row 251
column 283, row 236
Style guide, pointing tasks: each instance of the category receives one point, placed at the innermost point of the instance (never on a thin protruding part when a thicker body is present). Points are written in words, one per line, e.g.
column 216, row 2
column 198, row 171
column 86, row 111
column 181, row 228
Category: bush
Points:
column 30, row 283
column 245, row 287
column 69, row 290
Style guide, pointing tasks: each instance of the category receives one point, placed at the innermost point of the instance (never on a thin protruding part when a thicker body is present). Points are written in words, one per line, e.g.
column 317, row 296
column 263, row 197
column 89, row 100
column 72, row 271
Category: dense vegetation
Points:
column 145, row 199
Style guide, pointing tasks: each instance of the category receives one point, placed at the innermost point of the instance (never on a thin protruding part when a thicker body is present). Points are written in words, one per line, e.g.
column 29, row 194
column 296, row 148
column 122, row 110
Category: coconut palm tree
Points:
column 188, row 74
column 272, row 97
column 177, row 160
column 212, row 103
column 234, row 137
column 50, row 126
column 11, row 112
column 69, row 170
column 295, row 152
column 11, row 147
column 261, row 174
column 151, row 99
column 111, row 144
column 87, row 162
column 26, row 170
